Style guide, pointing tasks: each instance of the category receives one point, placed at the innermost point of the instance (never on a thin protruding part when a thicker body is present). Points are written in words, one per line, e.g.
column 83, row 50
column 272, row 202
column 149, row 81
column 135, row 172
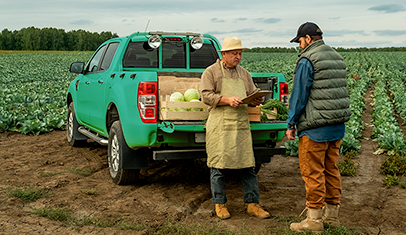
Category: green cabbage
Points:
column 191, row 94
column 176, row 97
column 195, row 109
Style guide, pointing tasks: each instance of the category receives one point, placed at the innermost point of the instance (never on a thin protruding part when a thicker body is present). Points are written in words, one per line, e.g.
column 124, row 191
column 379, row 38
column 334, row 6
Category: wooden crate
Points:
column 254, row 114
column 167, row 110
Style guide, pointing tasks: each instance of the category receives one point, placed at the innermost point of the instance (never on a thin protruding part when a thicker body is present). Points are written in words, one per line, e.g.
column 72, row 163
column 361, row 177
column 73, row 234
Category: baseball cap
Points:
column 307, row 28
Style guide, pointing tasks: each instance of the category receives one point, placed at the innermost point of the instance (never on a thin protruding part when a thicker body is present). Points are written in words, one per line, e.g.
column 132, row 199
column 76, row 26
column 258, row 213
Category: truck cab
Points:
column 117, row 99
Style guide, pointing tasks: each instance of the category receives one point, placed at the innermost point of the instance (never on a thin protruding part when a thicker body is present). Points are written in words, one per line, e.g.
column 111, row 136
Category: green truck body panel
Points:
column 95, row 94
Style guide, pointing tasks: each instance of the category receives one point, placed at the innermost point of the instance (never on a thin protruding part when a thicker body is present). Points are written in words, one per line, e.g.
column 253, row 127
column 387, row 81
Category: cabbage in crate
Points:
column 177, row 97
column 191, row 94
column 195, row 109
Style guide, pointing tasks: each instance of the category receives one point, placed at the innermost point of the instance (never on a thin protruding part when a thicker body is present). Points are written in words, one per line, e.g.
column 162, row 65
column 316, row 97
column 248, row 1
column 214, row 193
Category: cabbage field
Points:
column 33, row 88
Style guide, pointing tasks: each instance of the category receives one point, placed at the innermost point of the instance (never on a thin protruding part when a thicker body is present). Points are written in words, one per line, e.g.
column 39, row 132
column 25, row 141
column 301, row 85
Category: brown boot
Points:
column 313, row 222
column 222, row 212
column 255, row 209
column 330, row 215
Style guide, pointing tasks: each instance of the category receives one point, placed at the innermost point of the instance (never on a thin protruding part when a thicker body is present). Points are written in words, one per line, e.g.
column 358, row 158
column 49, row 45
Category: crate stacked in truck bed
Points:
column 178, row 111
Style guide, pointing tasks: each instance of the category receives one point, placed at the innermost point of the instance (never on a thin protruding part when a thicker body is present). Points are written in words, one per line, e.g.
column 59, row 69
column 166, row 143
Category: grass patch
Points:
column 285, row 219
column 58, row 214
column 89, row 191
column 347, row 166
column 327, row 231
column 83, row 171
column 183, row 228
column 394, row 167
column 49, row 174
column 62, row 214
column 173, row 227
column 391, row 180
column 30, row 194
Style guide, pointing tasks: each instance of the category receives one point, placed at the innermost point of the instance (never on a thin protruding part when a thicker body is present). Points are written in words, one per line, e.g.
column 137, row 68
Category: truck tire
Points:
column 72, row 126
column 117, row 149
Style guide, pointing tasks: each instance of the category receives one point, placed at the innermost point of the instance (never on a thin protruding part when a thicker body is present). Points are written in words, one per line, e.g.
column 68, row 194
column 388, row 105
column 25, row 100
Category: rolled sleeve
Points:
column 208, row 86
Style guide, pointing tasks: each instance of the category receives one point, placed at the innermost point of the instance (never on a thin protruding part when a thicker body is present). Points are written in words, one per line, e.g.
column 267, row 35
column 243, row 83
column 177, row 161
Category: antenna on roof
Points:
column 147, row 26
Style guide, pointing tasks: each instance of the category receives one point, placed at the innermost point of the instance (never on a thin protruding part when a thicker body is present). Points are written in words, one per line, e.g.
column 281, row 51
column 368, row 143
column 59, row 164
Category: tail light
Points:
column 283, row 92
column 147, row 101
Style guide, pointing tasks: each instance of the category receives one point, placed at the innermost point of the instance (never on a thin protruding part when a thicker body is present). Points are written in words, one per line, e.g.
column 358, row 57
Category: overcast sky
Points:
column 259, row 23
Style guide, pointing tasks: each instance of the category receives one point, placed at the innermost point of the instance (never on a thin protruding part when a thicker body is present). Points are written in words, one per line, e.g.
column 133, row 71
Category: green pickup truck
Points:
column 115, row 100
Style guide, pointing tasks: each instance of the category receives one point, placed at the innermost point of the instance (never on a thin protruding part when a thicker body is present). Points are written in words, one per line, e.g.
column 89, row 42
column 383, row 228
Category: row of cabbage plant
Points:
column 386, row 128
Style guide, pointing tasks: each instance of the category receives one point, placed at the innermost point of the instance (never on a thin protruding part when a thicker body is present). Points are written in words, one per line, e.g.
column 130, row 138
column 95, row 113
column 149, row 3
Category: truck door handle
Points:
column 87, row 83
column 101, row 82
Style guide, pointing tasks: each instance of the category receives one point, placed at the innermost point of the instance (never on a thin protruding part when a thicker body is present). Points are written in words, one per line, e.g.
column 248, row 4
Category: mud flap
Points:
column 136, row 159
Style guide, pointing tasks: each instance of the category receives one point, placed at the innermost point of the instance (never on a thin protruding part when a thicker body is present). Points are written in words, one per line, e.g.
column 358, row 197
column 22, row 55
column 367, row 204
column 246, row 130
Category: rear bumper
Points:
column 262, row 154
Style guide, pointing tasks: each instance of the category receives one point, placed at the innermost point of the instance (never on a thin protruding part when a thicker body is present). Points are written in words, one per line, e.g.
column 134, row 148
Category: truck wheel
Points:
column 117, row 149
column 257, row 168
column 72, row 126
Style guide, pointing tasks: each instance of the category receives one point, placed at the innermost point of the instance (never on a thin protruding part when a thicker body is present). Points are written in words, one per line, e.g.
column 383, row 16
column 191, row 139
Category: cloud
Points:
column 355, row 44
column 82, row 22
column 390, row 32
column 267, row 21
column 216, row 20
column 246, row 30
column 240, row 19
column 340, row 33
column 334, row 18
column 388, row 8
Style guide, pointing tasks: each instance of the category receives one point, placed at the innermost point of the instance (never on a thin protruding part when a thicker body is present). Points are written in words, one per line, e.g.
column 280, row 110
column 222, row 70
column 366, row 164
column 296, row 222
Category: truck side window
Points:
column 94, row 63
column 140, row 55
column 204, row 57
column 108, row 57
column 174, row 55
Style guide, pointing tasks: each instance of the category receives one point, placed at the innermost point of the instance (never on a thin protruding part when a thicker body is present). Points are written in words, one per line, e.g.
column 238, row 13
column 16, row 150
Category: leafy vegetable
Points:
column 269, row 105
column 177, row 97
column 191, row 94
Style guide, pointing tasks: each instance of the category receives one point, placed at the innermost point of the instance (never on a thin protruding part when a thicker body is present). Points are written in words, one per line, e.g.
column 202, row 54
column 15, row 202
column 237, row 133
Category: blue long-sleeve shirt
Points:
column 298, row 99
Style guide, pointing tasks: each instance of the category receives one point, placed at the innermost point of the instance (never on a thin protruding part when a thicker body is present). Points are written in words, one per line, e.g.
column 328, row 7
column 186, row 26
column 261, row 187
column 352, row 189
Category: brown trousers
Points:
column 318, row 166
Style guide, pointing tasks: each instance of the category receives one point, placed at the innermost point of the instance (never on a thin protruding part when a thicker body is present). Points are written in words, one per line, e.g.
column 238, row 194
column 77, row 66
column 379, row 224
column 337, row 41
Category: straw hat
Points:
column 232, row 43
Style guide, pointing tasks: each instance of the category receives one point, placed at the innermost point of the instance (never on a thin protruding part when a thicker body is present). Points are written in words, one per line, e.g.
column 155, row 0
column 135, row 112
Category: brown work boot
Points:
column 255, row 209
column 330, row 215
column 222, row 212
column 313, row 222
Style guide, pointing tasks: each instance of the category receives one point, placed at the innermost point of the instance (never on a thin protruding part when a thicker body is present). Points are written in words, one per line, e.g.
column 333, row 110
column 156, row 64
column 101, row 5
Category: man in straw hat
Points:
column 228, row 135
column 318, row 108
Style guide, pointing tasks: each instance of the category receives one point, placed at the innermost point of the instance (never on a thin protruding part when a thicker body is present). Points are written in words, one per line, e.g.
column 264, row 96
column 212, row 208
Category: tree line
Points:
column 33, row 39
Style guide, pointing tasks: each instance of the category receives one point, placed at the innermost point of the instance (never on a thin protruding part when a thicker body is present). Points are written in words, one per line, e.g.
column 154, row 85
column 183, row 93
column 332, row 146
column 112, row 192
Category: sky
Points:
column 258, row 23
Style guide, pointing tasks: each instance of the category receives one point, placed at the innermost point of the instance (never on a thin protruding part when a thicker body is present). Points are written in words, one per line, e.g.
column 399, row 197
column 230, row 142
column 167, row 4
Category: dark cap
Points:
column 307, row 28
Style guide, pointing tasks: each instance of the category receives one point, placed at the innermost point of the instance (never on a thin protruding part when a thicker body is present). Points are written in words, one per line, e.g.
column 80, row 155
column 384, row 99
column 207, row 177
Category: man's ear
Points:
column 308, row 39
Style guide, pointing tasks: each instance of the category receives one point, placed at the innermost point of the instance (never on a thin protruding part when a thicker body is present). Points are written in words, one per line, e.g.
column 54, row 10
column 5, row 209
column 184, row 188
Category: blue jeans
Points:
column 248, row 180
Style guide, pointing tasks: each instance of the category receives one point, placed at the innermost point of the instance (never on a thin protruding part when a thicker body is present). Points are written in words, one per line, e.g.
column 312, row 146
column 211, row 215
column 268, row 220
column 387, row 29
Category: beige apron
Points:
column 228, row 135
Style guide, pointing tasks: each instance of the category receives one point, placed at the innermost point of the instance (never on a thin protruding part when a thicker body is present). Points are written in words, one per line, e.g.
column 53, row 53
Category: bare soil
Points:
column 179, row 190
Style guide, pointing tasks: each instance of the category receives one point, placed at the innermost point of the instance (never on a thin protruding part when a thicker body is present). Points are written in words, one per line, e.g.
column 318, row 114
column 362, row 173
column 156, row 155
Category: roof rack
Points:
column 175, row 33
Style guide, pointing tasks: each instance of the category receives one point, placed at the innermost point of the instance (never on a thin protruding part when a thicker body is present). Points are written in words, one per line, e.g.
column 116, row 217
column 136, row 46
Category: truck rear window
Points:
column 173, row 54
column 140, row 55
column 203, row 57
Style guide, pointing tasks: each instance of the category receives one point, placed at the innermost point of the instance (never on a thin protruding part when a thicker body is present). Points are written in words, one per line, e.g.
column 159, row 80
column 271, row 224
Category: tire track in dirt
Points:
column 178, row 190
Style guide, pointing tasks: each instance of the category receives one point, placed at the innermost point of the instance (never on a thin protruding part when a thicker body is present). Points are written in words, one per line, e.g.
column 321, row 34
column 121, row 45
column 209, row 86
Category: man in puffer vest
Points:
column 318, row 108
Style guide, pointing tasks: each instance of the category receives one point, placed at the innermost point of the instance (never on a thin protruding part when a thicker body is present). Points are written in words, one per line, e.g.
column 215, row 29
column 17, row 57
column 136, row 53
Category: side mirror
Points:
column 77, row 67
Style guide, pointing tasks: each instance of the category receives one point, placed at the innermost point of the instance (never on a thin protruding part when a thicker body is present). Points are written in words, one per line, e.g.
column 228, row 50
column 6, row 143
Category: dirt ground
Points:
column 178, row 190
